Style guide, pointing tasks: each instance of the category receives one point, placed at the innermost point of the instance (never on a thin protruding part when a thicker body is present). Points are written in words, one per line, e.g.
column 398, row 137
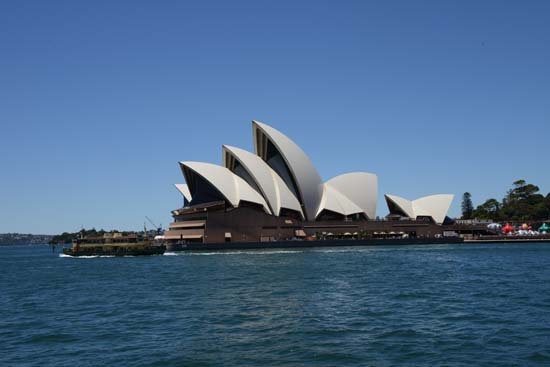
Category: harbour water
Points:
column 462, row 304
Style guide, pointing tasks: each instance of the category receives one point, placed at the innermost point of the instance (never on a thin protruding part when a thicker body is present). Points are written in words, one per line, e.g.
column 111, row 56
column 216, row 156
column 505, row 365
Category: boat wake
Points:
column 86, row 257
column 343, row 250
column 225, row 252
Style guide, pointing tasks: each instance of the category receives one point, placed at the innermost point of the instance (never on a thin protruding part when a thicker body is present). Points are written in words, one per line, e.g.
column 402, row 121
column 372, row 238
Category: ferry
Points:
column 115, row 244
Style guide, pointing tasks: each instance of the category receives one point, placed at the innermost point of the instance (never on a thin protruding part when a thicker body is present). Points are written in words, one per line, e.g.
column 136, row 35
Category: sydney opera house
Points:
column 276, row 194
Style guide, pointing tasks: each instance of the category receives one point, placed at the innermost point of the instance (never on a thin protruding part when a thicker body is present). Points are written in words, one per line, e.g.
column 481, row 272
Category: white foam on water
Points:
column 327, row 251
column 221, row 252
column 86, row 257
column 249, row 252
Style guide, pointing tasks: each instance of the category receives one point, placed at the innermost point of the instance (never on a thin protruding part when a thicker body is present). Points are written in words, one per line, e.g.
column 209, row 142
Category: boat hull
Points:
column 115, row 251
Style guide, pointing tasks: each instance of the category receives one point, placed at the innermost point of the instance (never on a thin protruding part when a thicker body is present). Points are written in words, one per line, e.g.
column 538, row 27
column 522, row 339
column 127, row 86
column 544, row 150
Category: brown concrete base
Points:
column 309, row 244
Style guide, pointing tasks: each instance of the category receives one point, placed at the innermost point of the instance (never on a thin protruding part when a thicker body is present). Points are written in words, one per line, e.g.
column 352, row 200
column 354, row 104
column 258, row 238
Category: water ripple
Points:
column 454, row 305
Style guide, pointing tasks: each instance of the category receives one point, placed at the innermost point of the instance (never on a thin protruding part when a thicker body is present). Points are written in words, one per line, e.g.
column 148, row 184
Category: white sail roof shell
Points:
column 305, row 174
column 231, row 186
column 337, row 202
column 272, row 186
column 184, row 190
column 359, row 187
column 404, row 204
column 435, row 206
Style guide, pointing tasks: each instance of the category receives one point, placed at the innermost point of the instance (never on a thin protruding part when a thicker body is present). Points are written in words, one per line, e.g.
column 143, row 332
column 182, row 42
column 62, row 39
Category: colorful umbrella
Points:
column 508, row 228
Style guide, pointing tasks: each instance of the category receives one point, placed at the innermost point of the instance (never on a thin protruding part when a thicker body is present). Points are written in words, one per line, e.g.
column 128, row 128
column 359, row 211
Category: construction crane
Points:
column 159, row 228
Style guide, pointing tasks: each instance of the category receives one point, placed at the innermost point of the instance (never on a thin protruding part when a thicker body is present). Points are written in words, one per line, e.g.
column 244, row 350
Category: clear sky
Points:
column 99, row 100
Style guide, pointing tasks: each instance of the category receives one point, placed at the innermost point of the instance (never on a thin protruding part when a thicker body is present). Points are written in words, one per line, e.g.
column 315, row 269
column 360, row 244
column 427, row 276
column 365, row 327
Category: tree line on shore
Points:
column 522, row 202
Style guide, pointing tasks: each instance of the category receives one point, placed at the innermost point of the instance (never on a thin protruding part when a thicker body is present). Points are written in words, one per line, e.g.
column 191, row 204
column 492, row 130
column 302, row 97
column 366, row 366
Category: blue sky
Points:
column 99, row 100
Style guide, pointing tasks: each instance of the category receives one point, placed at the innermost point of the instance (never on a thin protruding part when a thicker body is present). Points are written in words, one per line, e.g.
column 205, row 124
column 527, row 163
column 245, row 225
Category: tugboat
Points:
column 115, row 244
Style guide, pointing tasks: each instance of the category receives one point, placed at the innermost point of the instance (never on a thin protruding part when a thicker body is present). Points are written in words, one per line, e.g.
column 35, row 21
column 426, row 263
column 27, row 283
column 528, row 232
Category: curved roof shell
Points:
column 233, row 188
column 184, row 190
column 292, row 164
column 265, row 179
column 359, row 187
column 435, row 206
column 401, row 204
column 337, row 202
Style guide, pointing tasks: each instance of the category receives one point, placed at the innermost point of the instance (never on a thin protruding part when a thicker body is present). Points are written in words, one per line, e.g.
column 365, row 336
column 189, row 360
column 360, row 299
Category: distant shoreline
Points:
column 15, row 239
column 24, row 244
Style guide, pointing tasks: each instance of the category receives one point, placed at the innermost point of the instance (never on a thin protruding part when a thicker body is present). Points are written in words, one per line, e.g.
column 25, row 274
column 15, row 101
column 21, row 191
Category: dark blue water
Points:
column 419, row 305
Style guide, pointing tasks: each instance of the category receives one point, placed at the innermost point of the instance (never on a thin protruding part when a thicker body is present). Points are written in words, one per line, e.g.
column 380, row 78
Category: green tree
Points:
column 467, row 206
column 523, row 202
column 521, row 191
column 490, row 209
